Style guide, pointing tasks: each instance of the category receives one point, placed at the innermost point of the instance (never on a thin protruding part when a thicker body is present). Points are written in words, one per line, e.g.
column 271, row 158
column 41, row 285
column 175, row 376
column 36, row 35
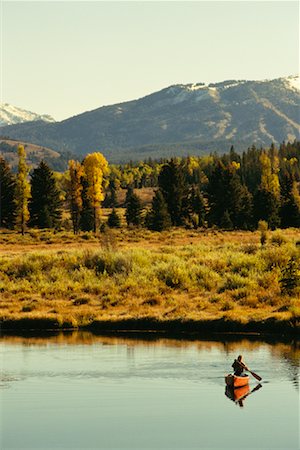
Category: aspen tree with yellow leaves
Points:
column 95, row 167
column 22, row 191
column 267, row 197
column 76, row 172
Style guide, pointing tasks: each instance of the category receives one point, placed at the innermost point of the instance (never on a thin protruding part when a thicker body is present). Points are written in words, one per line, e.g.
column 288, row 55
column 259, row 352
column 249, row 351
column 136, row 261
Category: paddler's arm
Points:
column 243, row 365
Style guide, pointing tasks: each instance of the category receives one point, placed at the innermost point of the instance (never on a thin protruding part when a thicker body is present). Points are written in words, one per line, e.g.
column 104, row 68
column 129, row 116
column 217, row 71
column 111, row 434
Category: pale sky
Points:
column 64, row 58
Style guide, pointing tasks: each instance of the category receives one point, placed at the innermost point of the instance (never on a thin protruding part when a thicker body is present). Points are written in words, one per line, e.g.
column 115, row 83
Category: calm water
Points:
column 90, row 392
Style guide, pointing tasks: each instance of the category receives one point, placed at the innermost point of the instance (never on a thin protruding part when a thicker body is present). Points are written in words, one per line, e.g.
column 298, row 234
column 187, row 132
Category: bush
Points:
column 263, row 228
column 174, row 274
column 278, row 238
column 233, row 281
column 109, row 263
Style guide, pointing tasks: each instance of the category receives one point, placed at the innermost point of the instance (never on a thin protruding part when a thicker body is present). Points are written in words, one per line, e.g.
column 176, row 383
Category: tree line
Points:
column 231, row 191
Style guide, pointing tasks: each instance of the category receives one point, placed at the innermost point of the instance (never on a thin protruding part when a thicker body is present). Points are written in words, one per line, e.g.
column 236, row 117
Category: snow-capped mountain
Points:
column 292, row 82
column 11, row 115
column 180, row 119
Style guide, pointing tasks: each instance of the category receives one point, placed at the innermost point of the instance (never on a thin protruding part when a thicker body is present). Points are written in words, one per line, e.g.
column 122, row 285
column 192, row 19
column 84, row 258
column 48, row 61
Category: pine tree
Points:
column 114, row 220
column 45, row 203
column 86, row 221
column 229, row 200
column 290, row 202
column 22, row 191
column 290, row 279
column 158, row 218
column 226, row 222
column 266, row 207
column 7, row 196
column 133, row 210
column 172, row 185
column 129, row 193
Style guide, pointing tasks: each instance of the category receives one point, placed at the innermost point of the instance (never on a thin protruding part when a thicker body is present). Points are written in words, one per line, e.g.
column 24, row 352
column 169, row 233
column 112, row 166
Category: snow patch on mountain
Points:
column 196, row 86
column 293, row 82
column 10, row 115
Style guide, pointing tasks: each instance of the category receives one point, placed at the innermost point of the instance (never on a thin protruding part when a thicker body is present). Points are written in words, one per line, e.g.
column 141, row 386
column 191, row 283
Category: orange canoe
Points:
column 235, row 381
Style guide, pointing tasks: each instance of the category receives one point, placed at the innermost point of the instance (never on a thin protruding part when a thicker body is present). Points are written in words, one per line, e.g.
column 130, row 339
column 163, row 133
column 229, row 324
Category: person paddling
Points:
column 239, row 366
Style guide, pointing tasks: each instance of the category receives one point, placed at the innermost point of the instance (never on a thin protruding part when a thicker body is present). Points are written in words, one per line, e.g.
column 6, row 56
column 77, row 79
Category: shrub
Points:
column 278, row 238
column 233, row 281
column 109, row 263
column 174, row 274
column 263, row 228
column 207, row 278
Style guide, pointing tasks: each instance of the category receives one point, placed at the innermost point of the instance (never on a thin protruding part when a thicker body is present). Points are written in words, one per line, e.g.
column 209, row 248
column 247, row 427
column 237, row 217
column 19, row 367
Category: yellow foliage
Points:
column 235, row 165
column 23, row 190
column 95, row 166
column 269, row 177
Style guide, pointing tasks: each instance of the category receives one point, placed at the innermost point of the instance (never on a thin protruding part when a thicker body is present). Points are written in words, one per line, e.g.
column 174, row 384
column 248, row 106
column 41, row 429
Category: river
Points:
column 82, row 391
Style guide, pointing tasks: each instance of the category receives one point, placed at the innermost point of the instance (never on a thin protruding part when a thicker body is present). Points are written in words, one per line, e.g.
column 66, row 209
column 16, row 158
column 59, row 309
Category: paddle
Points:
column 254, row 375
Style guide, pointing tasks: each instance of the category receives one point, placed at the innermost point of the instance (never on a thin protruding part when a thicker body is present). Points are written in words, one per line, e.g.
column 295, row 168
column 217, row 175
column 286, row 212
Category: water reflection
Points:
column 287, row 353
column 80, row 390
column 238, row 395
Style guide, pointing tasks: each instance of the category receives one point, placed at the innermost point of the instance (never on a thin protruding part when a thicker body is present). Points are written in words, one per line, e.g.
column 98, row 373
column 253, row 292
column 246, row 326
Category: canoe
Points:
column 235, row 381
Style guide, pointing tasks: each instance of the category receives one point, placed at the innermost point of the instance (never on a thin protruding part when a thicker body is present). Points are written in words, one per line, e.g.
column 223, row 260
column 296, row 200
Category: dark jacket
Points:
column 238, row 367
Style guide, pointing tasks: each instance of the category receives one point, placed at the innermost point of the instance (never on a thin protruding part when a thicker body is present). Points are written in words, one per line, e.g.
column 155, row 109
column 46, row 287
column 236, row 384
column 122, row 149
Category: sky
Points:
column 64, row 58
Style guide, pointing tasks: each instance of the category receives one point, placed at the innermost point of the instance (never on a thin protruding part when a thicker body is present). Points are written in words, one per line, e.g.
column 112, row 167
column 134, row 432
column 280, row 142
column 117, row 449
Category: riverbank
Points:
column 180, row 281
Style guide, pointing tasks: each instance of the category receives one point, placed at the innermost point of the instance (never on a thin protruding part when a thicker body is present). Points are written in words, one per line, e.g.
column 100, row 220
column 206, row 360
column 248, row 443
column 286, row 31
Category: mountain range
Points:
column 11, row 115
column 180, row 119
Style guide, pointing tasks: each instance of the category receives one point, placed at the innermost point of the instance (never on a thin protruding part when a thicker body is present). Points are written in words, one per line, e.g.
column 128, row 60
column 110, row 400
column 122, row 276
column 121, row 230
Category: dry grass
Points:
column 137, row 274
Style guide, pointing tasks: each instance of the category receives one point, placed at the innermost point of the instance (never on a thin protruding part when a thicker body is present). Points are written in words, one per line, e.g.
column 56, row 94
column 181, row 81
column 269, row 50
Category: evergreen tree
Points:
column 251, row 169
column 266, row 207
column 158, row 218
column 233, row 156
column 290, row 203
column 226, row 222
column 172, row 185
column 229, row 200
column 133, row 210
column 86, row 221
column 240, row 204
column 7, row 196
column 290, row 279
column 129, row 194
column 216, row 191
column 114, row 220
column 45, row 203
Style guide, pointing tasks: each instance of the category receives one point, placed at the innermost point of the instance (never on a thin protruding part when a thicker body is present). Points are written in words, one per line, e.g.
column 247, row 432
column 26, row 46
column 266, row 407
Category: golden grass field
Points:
column 135, row 274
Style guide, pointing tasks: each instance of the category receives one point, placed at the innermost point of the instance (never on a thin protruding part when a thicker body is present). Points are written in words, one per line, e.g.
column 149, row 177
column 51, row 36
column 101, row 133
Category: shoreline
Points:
column 148, row 326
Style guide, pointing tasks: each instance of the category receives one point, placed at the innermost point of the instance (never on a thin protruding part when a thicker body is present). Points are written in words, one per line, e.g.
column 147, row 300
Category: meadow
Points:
column 209, row 278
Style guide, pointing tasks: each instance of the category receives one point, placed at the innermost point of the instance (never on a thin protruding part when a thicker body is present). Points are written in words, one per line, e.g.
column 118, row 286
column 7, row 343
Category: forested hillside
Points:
column 178, row 120
column 229, row 192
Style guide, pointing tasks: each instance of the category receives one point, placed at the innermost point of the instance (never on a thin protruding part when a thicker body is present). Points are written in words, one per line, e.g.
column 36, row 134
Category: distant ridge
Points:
column 191, row 118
